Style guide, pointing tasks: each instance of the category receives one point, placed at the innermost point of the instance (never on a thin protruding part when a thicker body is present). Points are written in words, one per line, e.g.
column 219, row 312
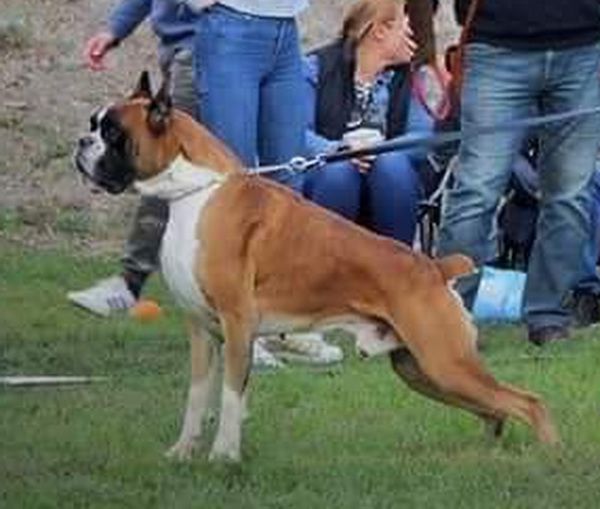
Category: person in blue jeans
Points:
column 249, row 83
column 520, row 60
column 359, row 91
column 174, row 24
column 249, row 80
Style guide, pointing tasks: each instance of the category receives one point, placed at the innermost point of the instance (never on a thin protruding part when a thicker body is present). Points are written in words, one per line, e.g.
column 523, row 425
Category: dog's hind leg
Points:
column 444, row 348
column 466, row 379
column 204, row 367
column 237, row 330
column 406, row 367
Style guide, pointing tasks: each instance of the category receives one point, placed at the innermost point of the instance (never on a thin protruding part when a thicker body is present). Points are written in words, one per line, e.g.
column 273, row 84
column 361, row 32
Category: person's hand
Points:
column 360, row 138
column 363, row 164
column 96, row 49
column 408, row 38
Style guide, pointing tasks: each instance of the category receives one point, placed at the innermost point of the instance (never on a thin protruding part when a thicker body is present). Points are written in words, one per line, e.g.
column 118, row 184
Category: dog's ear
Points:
column 454, row 266
column 143, row 89
column 159, row 110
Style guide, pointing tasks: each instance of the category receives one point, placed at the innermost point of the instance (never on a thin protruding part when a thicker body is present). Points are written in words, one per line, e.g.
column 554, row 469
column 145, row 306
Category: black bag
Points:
column 517, row 217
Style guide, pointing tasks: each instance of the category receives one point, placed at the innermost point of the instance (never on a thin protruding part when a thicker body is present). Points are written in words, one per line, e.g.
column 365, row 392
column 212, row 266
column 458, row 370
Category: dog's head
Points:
column 129, row 140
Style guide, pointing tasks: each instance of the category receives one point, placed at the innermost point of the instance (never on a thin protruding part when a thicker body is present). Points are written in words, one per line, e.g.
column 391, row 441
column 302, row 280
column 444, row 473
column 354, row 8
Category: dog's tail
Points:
column 454, row 266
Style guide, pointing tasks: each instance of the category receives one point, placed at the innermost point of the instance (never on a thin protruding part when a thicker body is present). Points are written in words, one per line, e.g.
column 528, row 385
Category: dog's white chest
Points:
column 187, row 188
column 181, row 249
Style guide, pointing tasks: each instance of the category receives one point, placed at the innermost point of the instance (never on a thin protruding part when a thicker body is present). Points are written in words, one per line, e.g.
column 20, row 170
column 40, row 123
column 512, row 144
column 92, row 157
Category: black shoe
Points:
column 542, row 335
column 585, row 309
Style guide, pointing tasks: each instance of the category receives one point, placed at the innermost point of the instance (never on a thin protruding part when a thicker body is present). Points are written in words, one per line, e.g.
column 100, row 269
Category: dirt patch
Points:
column 47, row 97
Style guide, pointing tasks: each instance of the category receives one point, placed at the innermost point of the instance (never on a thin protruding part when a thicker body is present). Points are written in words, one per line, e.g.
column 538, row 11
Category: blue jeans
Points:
column 502, row 85
column 590, row 281
column 390, row 191
column 250, row 85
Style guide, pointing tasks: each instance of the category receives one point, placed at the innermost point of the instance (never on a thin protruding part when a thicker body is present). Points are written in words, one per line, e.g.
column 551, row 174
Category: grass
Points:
column 15, row 33
column 346, row 437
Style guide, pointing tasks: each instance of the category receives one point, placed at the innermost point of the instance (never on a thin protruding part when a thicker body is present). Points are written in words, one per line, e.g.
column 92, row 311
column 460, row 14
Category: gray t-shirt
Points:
column 270, row 8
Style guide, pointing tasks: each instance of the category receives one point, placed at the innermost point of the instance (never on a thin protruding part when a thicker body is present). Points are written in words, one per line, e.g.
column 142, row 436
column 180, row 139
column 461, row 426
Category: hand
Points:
column 96, row 48
column 363, row 164
column 407, row 46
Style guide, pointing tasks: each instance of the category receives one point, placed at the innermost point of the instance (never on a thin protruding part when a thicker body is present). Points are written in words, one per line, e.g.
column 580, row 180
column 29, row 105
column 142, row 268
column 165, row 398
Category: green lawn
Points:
column 350, row 436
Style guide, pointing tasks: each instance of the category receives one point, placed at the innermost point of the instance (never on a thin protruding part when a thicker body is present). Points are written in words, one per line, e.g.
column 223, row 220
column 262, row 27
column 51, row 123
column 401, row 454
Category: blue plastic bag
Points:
column 499, row 296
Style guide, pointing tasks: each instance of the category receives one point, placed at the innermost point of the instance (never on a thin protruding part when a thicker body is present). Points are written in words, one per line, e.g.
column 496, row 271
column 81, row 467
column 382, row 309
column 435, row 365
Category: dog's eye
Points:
column 111, row 134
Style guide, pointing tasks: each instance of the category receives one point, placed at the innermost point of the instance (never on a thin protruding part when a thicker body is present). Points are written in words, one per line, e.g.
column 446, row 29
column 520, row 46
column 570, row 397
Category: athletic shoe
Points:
column 105, row 298
column 306, row 347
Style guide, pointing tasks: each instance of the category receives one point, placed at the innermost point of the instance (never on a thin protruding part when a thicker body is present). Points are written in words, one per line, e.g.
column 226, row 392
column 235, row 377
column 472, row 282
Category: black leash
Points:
column 418, row 140
column 414, row 140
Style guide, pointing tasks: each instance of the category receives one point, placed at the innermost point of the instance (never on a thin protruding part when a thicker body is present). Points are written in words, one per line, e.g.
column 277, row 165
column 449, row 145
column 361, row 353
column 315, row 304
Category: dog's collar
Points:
column 182, row 178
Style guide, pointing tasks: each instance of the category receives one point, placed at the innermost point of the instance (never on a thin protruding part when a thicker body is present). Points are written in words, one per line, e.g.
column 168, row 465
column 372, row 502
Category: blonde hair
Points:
column 363, row 14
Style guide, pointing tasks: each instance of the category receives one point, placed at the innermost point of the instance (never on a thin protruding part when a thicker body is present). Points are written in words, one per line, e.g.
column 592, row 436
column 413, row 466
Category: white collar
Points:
column 179, row 180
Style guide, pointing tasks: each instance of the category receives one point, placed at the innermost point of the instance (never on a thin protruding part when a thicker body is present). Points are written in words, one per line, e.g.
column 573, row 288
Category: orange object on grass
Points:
column 145, row 310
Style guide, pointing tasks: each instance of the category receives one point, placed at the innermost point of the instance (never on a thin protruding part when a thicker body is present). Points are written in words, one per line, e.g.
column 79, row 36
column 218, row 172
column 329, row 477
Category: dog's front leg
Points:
column 237, row 359
column 204, row 363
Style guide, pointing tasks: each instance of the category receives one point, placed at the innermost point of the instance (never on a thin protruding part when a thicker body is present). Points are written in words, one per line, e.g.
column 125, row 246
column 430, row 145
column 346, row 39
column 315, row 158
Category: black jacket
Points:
column 533, row 24
column 335, row 93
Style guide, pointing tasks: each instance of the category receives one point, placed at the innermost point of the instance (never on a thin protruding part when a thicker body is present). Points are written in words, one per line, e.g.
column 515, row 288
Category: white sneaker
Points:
column 261, row 357
column 104, row 298
column 307, row 347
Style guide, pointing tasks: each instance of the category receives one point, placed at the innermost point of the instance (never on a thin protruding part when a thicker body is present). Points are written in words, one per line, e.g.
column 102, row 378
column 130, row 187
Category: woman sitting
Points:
column 360, row 92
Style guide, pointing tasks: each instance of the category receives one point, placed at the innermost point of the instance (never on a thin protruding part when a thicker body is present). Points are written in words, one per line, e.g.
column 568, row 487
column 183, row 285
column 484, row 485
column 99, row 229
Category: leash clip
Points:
column 300, row 164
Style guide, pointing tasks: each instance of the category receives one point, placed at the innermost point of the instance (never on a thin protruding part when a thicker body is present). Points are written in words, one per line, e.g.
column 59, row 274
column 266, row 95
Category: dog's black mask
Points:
column 105, row 155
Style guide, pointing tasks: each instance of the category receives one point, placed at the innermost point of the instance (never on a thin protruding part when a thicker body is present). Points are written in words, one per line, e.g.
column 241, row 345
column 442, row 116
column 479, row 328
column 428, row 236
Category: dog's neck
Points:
column 201, row 147
column 182, row 178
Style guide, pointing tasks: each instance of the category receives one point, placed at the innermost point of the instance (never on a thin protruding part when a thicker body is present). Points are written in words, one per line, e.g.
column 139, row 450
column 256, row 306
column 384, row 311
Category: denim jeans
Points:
column 590, row 282
column 501, row 85
column 385, row 199
column 250, row 85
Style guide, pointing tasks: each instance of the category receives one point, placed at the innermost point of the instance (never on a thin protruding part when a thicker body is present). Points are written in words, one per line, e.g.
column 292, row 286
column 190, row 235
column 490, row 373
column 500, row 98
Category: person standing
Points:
column 173, row 23
column 249, row 80
column 250, row 90
column 521, row 61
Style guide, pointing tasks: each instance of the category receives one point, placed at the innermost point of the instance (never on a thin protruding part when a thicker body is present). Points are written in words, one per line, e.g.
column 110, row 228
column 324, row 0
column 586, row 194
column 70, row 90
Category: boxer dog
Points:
column 245, row 256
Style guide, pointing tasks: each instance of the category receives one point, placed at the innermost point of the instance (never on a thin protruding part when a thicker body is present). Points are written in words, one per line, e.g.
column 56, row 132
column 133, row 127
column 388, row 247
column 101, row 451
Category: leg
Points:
column 230, row 60
column 203, row 372
column 183, row 91
column 394, row 192
column 567, row 157
column 590, row 281
column 444, row 347
column 336, row 187
column 142, row 248
column 466, row 380
column 499, row 87
column 406, row 367
column 237, row 358
column 585, row 301
column 282, row 115
column 118, row 293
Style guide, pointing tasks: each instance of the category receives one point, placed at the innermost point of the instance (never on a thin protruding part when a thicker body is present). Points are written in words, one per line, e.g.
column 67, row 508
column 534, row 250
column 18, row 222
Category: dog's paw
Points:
column 224, row 455
column 181, row 451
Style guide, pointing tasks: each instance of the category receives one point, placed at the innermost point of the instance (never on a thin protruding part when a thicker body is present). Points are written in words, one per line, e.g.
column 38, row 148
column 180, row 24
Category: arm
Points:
column 315, row 143
column 126, row 16
column 418, row 121
column 122, row 21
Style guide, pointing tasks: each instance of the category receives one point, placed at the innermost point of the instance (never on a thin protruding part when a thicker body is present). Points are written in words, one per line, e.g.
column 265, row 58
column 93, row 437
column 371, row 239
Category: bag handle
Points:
column 452, row 86
column 458, row 71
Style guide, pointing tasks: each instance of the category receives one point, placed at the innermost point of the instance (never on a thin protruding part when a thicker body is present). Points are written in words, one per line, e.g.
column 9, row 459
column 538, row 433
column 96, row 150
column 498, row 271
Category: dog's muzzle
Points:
column 96, row 165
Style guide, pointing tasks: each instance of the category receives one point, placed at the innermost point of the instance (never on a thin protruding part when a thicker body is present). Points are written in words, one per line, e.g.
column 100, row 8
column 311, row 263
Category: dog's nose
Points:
column 85, row 142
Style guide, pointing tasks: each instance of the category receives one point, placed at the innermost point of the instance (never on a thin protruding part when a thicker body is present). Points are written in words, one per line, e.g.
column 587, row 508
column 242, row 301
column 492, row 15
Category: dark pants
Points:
column 142, row 248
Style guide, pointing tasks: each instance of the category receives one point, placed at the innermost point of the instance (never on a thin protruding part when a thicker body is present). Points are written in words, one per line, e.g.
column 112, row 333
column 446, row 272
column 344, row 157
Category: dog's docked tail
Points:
column 454, row 266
